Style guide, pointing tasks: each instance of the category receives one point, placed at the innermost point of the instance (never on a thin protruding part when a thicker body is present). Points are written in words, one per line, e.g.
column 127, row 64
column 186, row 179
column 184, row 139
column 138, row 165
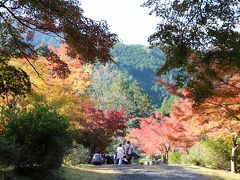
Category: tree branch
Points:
column 22, row 22
column 230, row 112
column 22, row 52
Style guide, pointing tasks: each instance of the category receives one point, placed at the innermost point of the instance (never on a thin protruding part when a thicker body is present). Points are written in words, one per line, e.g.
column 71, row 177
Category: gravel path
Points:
column 162, row 172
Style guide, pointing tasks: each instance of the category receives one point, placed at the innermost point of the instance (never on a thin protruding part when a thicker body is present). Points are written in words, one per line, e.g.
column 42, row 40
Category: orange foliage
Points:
column 158, row 134
column 79, row 76
column 66, row 93
column 220, row 114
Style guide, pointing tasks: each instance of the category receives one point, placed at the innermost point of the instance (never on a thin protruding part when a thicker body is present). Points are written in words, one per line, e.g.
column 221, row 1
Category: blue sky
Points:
column 125, row 18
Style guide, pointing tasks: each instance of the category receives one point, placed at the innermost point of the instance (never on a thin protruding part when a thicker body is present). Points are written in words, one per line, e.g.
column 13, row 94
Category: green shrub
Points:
column 174, row 157
column 196, row 155
column 219, row 154
column 143, row 160
column 36, row 140
column 210, row 153
column 77, row 155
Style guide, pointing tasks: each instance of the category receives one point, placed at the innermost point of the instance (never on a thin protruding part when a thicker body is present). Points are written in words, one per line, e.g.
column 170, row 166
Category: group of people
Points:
column 99, row 158
column 123, row 156
column 124, row 153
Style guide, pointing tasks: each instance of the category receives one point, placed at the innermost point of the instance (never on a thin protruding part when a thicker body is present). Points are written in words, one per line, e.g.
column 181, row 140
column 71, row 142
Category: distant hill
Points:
column 141, row 63
column 138, row 61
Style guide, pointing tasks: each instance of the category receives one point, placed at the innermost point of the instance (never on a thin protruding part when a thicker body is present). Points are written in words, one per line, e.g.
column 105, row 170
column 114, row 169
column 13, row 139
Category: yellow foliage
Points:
column 65, row 94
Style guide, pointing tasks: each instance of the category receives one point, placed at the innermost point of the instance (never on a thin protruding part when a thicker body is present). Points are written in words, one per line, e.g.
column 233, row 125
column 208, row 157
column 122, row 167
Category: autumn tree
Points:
column 99, row 127
column 159, row 134
column 67, row 95
column 195, row 36
column 217, row 115
column 88, row 40
column 220, row 114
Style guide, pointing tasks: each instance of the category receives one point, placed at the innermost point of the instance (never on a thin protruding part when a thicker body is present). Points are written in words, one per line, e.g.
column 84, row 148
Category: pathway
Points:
column 163, row 172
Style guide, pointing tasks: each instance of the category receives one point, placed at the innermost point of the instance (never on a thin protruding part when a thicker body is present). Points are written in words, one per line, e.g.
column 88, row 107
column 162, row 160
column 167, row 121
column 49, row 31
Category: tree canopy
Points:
column 158, row 134
column 195, row 36
column 88, row 40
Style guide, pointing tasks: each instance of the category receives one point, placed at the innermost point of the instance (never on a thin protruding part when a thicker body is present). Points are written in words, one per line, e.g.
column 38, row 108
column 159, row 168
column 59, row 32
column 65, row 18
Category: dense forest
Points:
column 141, row 63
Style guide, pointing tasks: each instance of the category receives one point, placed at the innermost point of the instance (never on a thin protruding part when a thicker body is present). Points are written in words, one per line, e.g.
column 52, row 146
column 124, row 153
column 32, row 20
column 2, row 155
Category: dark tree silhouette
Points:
column 87, row 39
column 197, row 35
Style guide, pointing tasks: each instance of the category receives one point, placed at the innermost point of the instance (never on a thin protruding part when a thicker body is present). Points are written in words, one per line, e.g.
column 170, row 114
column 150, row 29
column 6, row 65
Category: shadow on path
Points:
column 162, row 172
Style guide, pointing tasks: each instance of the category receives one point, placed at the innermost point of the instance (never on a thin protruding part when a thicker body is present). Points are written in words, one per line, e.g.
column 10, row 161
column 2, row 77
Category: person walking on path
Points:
column 128, row 151
column 120, row 154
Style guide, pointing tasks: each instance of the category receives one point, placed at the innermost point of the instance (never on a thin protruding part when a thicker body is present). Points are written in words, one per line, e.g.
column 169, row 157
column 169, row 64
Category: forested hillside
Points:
column 141, row 63
column 137, row 61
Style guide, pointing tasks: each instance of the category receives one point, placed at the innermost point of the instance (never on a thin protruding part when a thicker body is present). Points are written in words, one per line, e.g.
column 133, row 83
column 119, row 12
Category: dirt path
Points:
column 141, row 172
column 163, row 172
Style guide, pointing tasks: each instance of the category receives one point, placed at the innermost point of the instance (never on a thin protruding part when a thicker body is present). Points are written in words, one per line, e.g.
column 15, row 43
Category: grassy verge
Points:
column 217, row 174
column 83, row 172
column 87, row 172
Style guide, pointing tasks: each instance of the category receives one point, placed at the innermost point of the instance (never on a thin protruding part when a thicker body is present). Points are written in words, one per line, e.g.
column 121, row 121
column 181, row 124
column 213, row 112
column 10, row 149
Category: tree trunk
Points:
column 234, row 155
column 165, row 157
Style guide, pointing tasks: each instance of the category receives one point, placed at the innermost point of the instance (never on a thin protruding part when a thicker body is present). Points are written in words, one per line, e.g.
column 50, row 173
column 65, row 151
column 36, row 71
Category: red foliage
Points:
column 220, row 114
column 173, row 89
column 112, row 121
column 158, row 134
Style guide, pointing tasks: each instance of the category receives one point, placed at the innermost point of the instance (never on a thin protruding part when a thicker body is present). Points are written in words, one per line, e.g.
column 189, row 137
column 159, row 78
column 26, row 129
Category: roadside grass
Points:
column 83, row 172
column 88, row 172
column 217, row 174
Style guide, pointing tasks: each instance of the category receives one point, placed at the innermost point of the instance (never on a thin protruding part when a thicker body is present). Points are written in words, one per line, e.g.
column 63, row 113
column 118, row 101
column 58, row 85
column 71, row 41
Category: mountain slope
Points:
column 141, row 63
